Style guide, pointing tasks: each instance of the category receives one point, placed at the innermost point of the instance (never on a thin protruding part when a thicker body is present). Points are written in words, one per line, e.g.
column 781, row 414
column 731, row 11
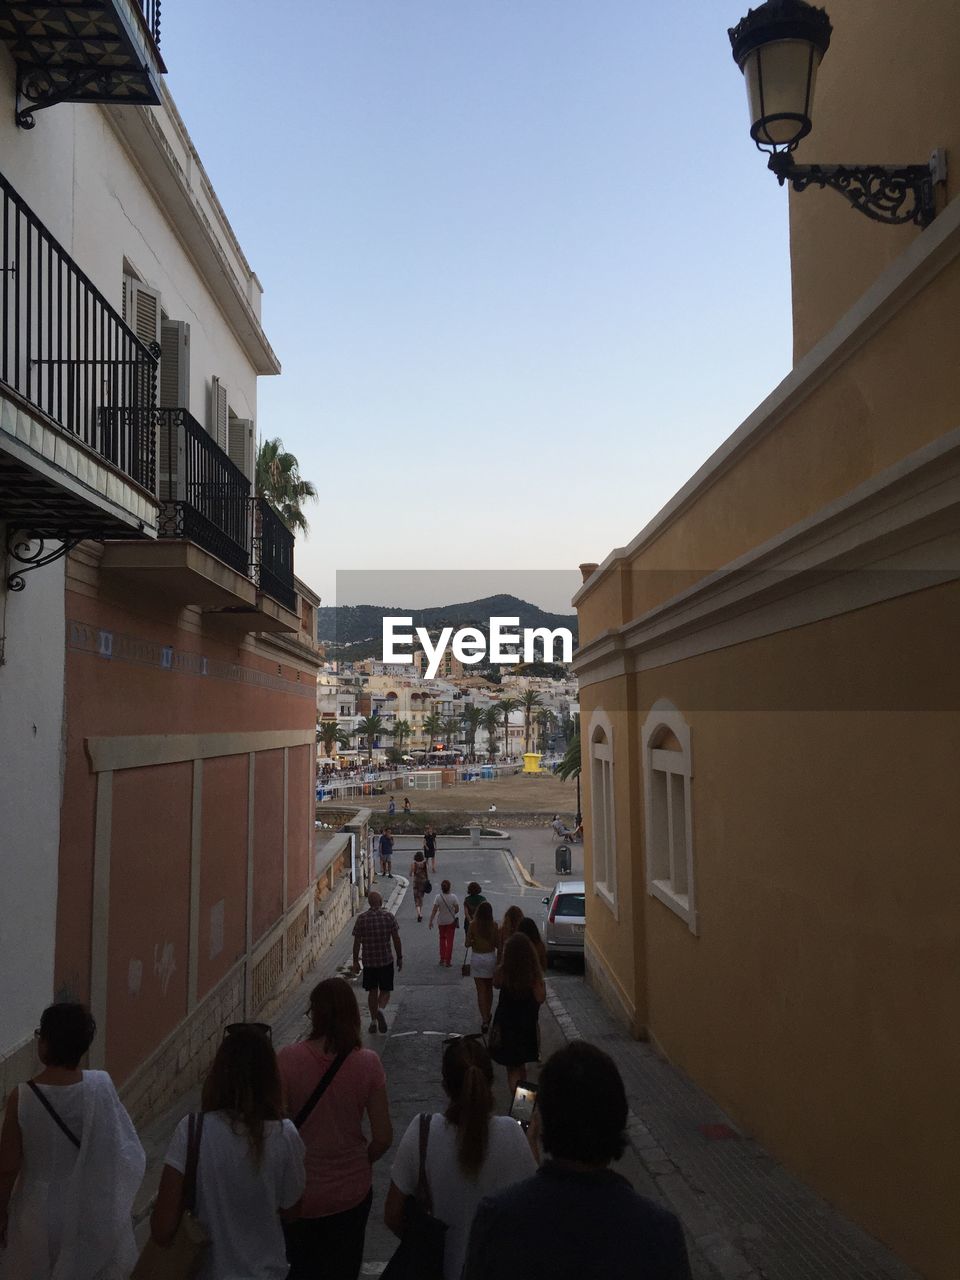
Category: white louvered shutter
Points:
column 241, row 444
column 174, row 388
column 141, row 309
column 218, row 413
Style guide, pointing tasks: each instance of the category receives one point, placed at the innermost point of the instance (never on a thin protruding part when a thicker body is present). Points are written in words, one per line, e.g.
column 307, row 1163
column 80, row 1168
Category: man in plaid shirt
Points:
column 373, row 931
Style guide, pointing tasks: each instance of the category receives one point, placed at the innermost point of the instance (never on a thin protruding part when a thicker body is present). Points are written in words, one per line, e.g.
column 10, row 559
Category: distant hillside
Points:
column 356, row 630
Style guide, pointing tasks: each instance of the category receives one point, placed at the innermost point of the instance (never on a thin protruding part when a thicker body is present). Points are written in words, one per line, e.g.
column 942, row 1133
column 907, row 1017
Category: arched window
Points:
column 603, row 819
column 668, row 819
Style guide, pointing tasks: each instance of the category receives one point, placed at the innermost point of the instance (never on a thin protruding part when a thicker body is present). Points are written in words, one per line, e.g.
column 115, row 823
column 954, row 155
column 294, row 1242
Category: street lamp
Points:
column 779, row 47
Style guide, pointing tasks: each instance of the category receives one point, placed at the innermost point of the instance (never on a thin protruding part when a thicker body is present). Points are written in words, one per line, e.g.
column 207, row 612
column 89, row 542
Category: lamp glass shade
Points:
column 780, row 77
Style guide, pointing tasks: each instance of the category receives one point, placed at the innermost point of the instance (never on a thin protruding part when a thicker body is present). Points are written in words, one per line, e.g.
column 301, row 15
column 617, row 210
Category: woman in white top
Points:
column 471, row 1153
column 446, row 905
column 77, row 1162
column 250, row 1172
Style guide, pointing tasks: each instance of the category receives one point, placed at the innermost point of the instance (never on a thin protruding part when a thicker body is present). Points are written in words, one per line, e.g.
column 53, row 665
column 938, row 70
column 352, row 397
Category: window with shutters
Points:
column 603, row 829
column 668, row 816
column 173, row 392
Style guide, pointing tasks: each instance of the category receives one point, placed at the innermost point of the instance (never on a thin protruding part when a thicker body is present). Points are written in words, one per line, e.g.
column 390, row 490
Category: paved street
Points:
column 745, row 1217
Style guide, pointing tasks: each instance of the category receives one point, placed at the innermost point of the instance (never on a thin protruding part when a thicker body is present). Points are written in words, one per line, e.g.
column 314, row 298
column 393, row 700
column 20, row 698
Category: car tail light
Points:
column 553, row 911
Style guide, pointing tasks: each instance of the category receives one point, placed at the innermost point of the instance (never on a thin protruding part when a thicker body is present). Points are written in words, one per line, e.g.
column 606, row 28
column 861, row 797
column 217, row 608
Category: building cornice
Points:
column 140, row 132
column 920, row 263
column 897, row 533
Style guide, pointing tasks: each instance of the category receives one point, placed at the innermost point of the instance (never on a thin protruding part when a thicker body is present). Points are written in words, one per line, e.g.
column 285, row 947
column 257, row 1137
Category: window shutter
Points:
column 141, row 310
column 240, row 440
column 218, row 406
column 174, row 364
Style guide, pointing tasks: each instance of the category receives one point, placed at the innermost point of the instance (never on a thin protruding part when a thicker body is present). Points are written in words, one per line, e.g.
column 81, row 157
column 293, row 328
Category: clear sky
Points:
column 523, row 265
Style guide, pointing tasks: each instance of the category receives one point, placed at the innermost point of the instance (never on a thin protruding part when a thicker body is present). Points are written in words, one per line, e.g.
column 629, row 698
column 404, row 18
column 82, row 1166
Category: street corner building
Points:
column 770, row 696
column 158, row 677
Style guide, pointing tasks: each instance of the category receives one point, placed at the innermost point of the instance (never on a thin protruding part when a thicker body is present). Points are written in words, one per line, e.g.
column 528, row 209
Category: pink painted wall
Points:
column 300, row 804
column 223, row 869
column 267, row 841
column 149, row 911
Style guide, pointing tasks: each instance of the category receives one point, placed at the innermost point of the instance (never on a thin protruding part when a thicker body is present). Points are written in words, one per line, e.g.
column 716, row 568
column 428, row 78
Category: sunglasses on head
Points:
column 456, row 1038
column 262, row 1028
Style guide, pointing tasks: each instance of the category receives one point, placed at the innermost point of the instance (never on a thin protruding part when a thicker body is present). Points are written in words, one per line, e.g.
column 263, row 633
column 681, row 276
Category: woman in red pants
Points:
column 446, row 905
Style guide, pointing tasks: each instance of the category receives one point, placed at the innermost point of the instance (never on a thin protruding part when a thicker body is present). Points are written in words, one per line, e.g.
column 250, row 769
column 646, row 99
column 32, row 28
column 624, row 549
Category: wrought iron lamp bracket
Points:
column 21, row 548
column 36, row 86
column 892, row 194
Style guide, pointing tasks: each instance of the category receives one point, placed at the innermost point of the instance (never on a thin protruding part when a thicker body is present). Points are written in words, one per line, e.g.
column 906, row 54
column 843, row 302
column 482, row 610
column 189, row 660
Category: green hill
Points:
column 356, row 630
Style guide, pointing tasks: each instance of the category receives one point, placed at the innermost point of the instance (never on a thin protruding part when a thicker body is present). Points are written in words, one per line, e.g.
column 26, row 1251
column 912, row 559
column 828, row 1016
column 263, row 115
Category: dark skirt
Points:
column 513, row 1036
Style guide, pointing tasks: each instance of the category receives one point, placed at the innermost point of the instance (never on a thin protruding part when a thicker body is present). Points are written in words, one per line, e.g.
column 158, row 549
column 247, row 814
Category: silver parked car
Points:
column 565, row 919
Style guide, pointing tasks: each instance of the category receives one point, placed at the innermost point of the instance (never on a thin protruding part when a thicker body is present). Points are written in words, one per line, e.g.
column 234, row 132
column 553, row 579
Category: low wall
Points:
column 252, row 990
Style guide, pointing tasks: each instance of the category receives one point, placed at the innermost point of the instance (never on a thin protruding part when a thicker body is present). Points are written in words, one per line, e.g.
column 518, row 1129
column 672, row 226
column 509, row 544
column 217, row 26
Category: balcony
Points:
column 218, row 547
column 74, row 382
column 104, row 51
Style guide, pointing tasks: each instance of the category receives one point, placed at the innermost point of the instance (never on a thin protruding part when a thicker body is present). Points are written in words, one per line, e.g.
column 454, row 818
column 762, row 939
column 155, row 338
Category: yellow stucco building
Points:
column 770, row 697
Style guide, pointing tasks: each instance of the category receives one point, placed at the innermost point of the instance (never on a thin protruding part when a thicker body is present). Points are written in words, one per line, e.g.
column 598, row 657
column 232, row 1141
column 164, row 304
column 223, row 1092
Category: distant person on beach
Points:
column 392, row 807
column 407, row 806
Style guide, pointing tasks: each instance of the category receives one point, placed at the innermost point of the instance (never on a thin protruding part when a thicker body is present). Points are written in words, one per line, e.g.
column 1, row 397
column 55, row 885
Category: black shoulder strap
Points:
column 423, row 1186
column 300, row 1118
column 194, row 1134
column 49, row 1106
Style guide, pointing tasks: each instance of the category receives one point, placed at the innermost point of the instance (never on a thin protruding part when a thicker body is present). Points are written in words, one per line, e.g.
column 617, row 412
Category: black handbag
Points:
column 419, row 1255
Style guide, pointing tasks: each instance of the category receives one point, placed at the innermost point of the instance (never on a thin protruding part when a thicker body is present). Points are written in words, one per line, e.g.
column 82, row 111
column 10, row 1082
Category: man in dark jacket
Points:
column 575, row 1217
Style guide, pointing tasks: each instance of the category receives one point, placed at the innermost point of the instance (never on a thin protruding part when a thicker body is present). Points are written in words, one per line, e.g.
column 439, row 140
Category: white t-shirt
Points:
column 455, row 1196
column 237, row 1203
column 449, row 907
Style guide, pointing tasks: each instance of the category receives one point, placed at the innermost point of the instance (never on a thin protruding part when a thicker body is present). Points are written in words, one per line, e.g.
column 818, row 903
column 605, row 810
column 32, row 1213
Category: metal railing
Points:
column 203, row 495
column 274, row 548
column 151, row 16
column 66, row 351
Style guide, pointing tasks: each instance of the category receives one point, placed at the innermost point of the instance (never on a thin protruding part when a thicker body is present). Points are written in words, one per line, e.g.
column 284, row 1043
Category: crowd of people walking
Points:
column 272, row 1179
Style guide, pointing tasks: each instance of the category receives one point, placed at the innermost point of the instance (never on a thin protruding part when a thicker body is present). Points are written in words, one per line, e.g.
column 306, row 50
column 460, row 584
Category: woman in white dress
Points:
column 471, row 1153
column 71, row 1158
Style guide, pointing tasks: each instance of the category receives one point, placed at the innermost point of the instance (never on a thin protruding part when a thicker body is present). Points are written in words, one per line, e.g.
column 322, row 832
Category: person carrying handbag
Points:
column 466, row 1153
column 331, row 1084
column 446, row 905
column 249, row 1169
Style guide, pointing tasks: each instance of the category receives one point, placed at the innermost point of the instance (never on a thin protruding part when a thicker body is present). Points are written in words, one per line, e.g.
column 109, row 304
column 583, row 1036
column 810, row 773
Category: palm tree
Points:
column 451, row 730
column 279, row 481
column 371, row 727
column 529, row 701
column 569, row 766
column 331, row 735
column 490, row 720
column 545, row 722
column 506, row 706
column 401, row 732
column 471, row 718
column 433, row 725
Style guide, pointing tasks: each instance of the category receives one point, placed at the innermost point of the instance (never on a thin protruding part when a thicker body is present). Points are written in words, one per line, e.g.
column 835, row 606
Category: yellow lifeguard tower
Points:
column 531, row 762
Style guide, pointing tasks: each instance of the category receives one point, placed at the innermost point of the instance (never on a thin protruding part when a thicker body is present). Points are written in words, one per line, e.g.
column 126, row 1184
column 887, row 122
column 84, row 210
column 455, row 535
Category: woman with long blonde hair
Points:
column 513, row 1035
column 485, row 945
column 471, row 1153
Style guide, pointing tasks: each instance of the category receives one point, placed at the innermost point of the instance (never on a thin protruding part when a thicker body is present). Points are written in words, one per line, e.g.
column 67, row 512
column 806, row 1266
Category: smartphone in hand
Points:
column 524, row 1103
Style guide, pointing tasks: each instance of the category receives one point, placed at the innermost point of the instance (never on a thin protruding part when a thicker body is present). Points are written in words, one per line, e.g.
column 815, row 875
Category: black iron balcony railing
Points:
column 274, row 548
column 204, row 497
column 66, row 351
column 151, row 16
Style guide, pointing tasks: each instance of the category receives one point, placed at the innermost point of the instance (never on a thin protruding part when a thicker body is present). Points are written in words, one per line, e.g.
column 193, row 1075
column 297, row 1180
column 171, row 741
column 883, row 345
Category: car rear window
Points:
column 571, row 904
